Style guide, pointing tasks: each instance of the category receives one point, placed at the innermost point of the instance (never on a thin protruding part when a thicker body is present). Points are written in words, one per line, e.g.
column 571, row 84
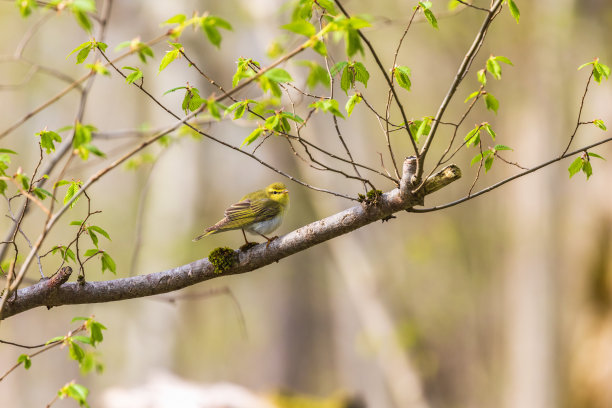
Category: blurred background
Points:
column 505, row 300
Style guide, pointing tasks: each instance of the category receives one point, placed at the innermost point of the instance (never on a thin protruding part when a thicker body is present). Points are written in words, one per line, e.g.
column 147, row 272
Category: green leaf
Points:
column 402, row 75
column 361, row 73
column 75, row 391
column 134, row 76
column 47, row 139
column 576, row 166
column 73, row 188
column 423, row 129
column 210, row 25
column 595, row 155
column 339, row 66
column 55, row 339
column 482, row 76
column 587, row 168
column 83, row 51
column 95, row 329
column 41, row 193
column 301, row 27
column 177, row 19
column 91, row 252
column 514, row 10
column 82, row 339
column 25, row 359
column 93, row 149
column 431, row 18
column 169, row 57
column 488, row 162
column 253, row 136
column 100, row 231
column 476, row 159
column 473, row 137
column 108, row 263
column 489, row 130
column 26, row 7
column 494, row 68
column 347, row 79
column 75, row 351
column 352, row 102
column 600, row 124
column 472, row 95
column 491, row 102
column 327, row 105
column 502, row 147
column 278, row 75
column 9, row 151
column 93, row 236
column 503, row 59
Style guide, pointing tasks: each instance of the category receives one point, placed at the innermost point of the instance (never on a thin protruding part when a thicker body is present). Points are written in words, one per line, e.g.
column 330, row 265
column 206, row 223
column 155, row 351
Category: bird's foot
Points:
column 247, row 246
column 270, row 240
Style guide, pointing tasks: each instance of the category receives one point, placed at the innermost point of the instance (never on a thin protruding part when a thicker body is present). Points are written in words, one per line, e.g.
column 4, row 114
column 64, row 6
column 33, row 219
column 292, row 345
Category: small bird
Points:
column 259, row 212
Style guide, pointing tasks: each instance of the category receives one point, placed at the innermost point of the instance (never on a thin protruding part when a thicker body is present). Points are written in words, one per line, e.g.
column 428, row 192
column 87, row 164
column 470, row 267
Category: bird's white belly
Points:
column 266, row 227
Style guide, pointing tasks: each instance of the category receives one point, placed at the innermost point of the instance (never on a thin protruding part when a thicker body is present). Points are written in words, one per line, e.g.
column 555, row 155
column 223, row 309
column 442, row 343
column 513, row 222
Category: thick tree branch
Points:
column 201, row 270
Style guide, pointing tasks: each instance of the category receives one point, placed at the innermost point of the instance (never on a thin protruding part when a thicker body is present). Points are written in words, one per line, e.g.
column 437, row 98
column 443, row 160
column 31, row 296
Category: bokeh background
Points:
column 505, row 300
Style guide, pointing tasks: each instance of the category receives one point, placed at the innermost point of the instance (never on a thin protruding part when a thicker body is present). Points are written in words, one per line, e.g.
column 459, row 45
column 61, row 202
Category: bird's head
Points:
column 278, row 192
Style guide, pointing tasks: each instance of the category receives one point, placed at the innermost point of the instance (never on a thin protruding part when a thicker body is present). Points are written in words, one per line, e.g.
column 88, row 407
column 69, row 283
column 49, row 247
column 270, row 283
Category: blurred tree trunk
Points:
column 531, row 278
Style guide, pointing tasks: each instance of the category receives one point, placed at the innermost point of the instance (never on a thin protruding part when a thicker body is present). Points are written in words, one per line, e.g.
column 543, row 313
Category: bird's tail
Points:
column 206, row 233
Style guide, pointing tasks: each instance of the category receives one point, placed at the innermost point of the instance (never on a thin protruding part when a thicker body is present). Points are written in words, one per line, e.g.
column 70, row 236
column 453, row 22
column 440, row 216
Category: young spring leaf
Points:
column 494, row 68
column 473, row 137
column 482, row 76
column 253, row 136
column 210, row 25
column 600, row 124
column 514, row 10
column 429, row 15
column 489, row 130
column 352, row 102
column 134, row 76
column 108, row 263
column 491, row 102
column 170, row 56
column 402, row 75
column 25, row 359
column 576, row 166
column 47, row 139
column 278, row 75
column 301, row 27
column 327, row 105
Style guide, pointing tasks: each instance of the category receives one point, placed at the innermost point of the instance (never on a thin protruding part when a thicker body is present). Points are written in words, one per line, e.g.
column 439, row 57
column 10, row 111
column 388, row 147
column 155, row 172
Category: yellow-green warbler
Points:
column 259, row 212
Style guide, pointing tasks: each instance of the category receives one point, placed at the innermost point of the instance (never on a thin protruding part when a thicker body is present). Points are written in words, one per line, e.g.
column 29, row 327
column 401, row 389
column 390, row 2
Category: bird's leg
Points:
column 269, row 239
column 247, row 244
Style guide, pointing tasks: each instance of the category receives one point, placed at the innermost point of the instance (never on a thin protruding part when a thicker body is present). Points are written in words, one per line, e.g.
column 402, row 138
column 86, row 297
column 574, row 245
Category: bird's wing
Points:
column 247, row 211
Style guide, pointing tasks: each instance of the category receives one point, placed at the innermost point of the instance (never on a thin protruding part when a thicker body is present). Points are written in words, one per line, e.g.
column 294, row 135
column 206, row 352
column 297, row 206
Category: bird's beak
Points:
column 285, row 191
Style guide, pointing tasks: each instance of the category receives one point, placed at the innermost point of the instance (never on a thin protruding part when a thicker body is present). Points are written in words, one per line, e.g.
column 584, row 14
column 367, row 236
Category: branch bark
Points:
column 351, row 219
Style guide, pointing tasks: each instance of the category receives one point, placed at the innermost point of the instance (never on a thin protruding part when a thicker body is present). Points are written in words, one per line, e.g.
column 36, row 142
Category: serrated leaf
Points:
column 352, row 102
column 361, row 73
column 168, row 58
column 402, row 76
column 327, row 105
column 600, row 124
column 108, row 263
column 575, row 167
column 473, row 137
column 587, row 168
column 489, row 130
column 347, row 79
column 488, row 162
column 482, row 76
column 252, row 136
column 48, row 139
column 278, row 75
column 339, row 66
column 491, row 102
column 301, row 27
column 494, row 68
